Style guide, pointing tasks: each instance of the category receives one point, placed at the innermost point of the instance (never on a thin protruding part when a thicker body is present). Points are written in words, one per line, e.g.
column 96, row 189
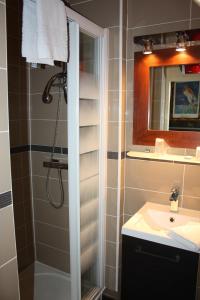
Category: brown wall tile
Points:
column 53, row 257
column 154, row 176
column 140, row 13
column 191, row 182
column 102, row 12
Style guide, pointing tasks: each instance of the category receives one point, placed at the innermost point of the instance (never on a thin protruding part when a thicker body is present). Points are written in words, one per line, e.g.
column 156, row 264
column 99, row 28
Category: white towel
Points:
column 188, row 235
column 44, row 31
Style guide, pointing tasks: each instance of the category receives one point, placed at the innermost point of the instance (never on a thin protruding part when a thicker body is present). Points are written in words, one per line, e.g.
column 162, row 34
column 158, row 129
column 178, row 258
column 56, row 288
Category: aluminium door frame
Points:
column 77, row 23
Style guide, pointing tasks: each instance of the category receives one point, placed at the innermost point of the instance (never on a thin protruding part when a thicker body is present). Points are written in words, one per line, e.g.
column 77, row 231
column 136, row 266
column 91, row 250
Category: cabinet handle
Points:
column 176, row 259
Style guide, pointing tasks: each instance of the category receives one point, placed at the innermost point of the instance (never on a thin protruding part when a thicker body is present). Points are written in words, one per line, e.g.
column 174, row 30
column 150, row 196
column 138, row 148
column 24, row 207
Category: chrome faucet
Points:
column 175, row 191
column 174, row 194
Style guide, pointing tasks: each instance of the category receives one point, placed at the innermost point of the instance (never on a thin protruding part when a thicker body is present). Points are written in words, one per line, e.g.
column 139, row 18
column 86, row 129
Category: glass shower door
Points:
column 86, row 159
column 89, row 119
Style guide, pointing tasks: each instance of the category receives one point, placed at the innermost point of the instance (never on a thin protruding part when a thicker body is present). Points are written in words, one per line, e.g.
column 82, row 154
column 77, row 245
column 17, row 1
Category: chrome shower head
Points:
column 47, row 97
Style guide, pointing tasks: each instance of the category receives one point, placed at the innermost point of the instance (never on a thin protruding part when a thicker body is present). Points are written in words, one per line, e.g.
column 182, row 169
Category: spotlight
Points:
column 148, row 47
column 197, row 2
column 181, row 41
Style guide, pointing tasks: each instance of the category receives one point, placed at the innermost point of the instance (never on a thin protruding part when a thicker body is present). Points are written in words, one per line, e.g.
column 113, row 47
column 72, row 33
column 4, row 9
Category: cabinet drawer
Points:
column 155, row 271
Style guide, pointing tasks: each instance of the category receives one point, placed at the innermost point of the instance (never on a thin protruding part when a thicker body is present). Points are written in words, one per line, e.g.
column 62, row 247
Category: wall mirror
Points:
column 174, row 98
column 167, row 97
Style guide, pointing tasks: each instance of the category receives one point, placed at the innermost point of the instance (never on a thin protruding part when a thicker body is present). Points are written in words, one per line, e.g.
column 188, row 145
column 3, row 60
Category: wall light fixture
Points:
column 181, row 43
column 148, row 47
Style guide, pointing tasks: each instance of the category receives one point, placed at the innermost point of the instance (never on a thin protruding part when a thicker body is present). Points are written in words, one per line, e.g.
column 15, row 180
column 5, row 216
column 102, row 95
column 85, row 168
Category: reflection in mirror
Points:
column 174, row 98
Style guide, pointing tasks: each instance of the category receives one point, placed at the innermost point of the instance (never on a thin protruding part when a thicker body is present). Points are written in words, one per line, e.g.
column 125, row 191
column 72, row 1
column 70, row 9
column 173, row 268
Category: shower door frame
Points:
column 77, row 24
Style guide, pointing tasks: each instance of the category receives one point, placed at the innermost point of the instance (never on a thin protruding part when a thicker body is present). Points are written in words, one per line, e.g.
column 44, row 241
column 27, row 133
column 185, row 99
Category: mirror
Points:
column 166, row 101
column 174, row 98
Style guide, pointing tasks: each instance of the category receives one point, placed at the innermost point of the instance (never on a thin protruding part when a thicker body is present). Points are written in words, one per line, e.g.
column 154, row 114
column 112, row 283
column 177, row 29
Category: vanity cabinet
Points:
column 157, row 272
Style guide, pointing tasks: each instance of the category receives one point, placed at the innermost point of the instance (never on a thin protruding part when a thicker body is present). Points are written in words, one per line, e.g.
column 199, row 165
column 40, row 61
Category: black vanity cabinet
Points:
column 152, row 271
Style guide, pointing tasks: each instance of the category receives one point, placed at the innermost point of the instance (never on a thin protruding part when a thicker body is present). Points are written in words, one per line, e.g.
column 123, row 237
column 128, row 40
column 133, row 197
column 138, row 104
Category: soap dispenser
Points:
column 174, row 199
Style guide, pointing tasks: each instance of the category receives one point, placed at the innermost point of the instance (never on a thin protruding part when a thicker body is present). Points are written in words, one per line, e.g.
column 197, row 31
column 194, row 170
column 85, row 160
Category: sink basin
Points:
column 154, row 221
column 167, row 220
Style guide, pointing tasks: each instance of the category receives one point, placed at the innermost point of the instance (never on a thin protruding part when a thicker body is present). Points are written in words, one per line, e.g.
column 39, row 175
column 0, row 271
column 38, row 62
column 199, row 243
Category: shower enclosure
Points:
column 58, row 169
column 86, row 157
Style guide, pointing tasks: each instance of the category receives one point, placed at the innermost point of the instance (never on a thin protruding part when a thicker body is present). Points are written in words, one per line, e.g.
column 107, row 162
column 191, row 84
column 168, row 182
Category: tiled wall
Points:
column 8, row 258
column 51, row 224
column 18, row 98
column 167, row 16
column 151, row 180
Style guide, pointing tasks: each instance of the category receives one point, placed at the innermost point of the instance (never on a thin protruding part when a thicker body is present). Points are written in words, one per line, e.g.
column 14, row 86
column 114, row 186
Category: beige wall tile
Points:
column 114, row 42
column 130, row 44
column 111, row 207
column 111, row 249
column 113, row 133
column 191, row 203
column 43, row 132
column 44, row 212
column 135, row 199
column 140, row 13
column 191, row 181
column 2, row 36
column 3, row 101
column 129, row 135
column 163, row 27
column 130, row 72
column 7, row 234
column 53, row 257
column 9, row 281
column 124, row 47
column 39, row 189
column 154, row 176
column 41, row 111
column 113, row 106
column 110, row 277
column 130, row 106
column 5, row 178
column 112, row 175
column 113, row 76
column 111, row 229
column 39, row 78
column 52, row 236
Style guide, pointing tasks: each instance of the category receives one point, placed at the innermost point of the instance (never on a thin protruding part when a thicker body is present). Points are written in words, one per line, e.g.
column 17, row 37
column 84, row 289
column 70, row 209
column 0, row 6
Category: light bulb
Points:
column 197, row 2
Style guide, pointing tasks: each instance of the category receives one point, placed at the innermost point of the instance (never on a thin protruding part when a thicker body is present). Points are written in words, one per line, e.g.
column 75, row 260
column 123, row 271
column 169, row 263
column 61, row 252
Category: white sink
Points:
column 167, row 220
column 153, row 222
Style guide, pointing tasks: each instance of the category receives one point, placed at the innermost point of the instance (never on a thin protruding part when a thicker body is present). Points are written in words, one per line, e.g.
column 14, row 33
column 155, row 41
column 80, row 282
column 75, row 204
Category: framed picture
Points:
column 186, row 98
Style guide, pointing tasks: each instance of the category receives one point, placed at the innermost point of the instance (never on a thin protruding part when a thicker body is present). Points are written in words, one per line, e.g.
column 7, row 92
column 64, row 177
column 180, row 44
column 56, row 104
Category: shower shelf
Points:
column 55, row 165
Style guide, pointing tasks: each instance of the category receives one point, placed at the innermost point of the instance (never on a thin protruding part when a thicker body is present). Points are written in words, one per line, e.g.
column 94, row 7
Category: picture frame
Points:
column 186, row 99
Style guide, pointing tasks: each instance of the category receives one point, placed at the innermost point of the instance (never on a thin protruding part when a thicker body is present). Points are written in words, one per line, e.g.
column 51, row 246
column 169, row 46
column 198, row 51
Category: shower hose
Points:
column 60, row 203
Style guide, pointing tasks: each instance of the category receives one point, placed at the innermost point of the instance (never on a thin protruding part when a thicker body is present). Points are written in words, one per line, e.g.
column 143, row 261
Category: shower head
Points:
column 47, row 97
